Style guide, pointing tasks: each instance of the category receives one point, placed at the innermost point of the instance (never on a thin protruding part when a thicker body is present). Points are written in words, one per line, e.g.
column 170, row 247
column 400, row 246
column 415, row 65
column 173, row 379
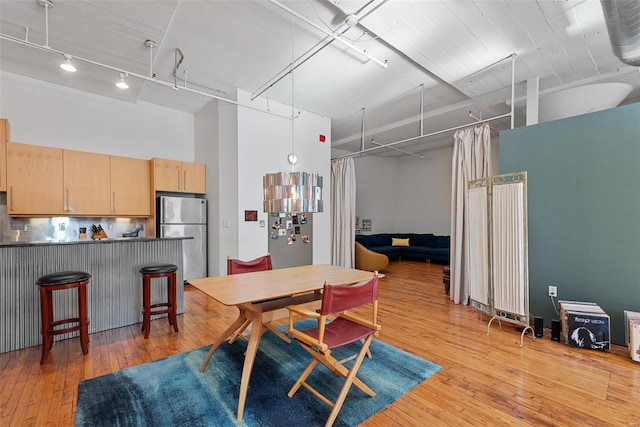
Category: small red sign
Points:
column 322, row 138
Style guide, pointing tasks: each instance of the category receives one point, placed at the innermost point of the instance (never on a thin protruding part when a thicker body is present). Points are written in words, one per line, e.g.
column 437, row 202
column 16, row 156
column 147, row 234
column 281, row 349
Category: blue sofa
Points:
column 421, row 246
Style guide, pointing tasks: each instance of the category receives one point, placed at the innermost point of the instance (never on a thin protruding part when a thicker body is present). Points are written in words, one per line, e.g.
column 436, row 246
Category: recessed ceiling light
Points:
column 122, row 83
column 67, row 65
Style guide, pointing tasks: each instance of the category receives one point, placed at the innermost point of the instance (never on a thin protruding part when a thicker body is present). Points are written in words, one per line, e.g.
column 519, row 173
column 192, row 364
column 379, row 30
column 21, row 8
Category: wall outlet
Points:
column 27, row 227
column 109, row 226
column 553, row 291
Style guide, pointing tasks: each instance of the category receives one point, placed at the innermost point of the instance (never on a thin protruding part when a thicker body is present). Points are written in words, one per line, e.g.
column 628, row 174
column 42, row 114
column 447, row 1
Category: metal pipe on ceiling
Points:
column 510, row 114
column 623, row 24
column 391, row 144
column 300, row 60
column 398, row 149
column 383, row 64
column 139, row 76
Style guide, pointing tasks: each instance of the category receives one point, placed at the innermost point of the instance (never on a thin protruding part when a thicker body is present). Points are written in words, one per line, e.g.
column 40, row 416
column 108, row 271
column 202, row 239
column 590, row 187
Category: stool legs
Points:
column 83, row 316
column 171, row 291
column 149, row 309
column 48, row 326
column 146, row 305
column 46, row 316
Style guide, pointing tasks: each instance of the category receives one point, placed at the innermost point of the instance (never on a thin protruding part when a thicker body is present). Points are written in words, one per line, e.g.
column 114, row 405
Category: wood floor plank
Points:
column 485, row 379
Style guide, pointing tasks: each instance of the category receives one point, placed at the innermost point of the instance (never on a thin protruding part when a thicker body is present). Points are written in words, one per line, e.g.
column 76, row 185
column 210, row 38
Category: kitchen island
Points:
column 114, row 293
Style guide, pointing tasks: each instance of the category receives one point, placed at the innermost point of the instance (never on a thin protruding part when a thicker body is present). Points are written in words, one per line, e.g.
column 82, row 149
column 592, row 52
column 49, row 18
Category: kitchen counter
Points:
column 114, row 292
column 89, row 241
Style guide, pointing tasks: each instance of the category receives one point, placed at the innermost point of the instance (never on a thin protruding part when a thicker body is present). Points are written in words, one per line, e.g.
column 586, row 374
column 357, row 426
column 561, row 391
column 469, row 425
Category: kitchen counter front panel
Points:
column 114, row 293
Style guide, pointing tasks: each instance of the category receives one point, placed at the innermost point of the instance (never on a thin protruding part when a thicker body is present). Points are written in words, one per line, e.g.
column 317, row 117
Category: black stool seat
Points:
column 158, row 269
column 63, row 278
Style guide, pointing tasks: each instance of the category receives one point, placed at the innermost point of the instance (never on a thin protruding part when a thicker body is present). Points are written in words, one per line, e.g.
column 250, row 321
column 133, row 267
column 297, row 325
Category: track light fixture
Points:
column 67, row 65
column 122, row 83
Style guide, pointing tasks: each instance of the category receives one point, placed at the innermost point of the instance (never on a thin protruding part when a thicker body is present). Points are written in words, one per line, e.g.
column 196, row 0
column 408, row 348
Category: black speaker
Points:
column 555, row 330
column 538, row 327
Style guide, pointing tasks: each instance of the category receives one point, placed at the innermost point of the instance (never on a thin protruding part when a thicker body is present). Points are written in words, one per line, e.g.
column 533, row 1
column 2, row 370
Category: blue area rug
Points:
column 172, row 391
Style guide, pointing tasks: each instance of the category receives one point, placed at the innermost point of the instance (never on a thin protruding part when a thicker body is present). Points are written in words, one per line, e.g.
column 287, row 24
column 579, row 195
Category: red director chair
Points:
column 345, row 329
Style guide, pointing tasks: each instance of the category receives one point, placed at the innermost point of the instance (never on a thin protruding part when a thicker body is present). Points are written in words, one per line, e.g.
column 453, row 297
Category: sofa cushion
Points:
column 366, row 240
column 423, row 240
column 399, row 242
column 442, row 241
column 381, row 239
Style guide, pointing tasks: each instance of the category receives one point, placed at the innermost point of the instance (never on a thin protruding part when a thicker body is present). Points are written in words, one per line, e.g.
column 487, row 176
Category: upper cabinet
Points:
column 34, row 180
column 176, row 176
column 55, row 182
column 4, row 138
column 87, row 183
column 130, row 187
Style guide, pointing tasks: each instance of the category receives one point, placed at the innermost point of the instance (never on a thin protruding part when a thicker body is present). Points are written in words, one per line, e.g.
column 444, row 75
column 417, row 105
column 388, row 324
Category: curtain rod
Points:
column 388, row 146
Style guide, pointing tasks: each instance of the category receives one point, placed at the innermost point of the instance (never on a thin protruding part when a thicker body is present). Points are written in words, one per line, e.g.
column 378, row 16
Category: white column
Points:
column 533, row 90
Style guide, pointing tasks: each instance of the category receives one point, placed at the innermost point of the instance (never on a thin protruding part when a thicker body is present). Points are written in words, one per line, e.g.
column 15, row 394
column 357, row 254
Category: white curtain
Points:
column 343, row 211
column 471, row 160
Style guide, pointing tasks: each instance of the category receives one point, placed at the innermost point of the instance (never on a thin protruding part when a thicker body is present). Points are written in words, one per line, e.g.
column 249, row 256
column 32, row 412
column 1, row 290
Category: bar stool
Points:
column 154, row 272
column 58, row 281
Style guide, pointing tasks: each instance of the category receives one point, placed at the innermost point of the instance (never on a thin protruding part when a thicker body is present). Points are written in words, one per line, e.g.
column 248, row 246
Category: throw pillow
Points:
column 399, row 242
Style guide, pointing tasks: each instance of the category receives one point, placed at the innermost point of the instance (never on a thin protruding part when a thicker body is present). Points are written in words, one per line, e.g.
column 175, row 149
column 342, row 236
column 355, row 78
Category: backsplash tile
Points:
column 18, row 229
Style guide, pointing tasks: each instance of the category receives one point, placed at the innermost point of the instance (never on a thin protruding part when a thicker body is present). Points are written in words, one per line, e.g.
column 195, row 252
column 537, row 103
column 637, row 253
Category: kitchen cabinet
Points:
column 130, row 187
column 34, row 180
column 87, row 183
column 193, row 178
column 4, row 138
column 177, row 176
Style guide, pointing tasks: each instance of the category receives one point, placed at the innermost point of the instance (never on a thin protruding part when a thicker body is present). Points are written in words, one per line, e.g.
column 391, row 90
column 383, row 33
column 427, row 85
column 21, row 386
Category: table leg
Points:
column 255, row 315
column 242, row 316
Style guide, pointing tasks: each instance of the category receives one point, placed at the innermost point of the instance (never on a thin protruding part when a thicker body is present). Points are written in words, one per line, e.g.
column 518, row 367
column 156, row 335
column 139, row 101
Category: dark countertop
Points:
column 88, row 241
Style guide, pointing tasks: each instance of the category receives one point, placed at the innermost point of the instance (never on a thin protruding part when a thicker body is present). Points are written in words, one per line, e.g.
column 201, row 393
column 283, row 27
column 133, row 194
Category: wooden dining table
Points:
column 259, row 292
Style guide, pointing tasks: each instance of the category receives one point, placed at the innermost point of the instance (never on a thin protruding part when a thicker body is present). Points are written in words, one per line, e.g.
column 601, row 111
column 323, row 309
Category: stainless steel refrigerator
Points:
column 290, row 239
column 186, row 216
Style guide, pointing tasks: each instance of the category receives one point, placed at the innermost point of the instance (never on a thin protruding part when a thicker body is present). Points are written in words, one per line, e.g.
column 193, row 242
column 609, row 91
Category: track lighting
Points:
column 122, row 83
column 67, row 65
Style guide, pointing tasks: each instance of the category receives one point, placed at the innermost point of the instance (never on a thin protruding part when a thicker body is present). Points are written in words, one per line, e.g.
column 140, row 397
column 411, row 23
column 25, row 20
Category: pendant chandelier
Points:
column 292, row 192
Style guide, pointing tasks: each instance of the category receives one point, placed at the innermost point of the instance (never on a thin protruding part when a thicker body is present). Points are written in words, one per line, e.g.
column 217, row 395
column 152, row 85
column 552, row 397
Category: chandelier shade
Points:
column 292, row 192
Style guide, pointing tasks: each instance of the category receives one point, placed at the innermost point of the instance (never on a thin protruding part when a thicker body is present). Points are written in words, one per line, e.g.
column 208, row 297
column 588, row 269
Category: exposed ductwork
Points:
column 623, row 23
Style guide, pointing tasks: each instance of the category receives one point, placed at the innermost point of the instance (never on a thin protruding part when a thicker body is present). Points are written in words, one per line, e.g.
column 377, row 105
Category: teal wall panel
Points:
column 583, row 209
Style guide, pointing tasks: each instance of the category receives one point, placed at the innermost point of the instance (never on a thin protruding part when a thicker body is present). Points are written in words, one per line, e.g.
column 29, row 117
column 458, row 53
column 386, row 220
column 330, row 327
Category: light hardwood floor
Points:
column 485, row 380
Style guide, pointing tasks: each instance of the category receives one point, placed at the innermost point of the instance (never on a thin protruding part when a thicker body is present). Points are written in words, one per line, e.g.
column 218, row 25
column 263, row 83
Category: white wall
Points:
column 45, row 114
column 424, row 188
column 239, row 145
column 377, row 192
column 405, row 194
column 264, row 141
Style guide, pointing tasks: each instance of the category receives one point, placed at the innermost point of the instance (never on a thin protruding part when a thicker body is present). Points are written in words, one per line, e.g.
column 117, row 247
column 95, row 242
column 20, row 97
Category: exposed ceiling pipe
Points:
column 176, row 79
column 46, row 4
column 305, row 57
column 397, row 149
column 362, row 131
column 413, row 138
column 337, row 38
column 623, row 23
column 137, row 75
